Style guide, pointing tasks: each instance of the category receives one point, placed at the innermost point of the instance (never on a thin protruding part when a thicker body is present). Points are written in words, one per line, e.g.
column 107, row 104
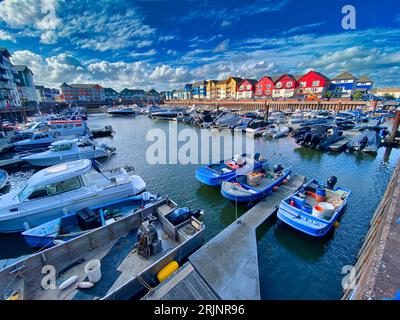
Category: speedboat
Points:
column 254, row 185
column 118, row 261
column 277, row 132
column 215, row 173
column 171, row 114
column 122, row 111
column 242, row 125
column 257, row 127
column 69, row 150
column 369, row 140
column 76, row 223
column 63, row 188
column 227, row 119
column 315, row 207
column 330, row 136
column 297, row 118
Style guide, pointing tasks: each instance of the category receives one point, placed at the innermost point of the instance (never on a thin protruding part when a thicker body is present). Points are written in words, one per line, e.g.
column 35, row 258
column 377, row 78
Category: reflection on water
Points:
column 292, row 265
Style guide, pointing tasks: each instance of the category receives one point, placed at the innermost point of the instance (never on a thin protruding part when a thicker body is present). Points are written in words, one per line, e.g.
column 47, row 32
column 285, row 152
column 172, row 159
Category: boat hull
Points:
column 50, row 161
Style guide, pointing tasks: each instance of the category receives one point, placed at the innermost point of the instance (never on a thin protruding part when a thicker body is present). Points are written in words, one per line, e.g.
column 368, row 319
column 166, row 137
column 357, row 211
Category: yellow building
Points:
column 211, row 89
column 232, row 85
column 220, row 90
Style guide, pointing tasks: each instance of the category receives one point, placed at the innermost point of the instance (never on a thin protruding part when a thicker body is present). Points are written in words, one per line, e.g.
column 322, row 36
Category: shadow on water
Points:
column 299, row 244
column 309, row 154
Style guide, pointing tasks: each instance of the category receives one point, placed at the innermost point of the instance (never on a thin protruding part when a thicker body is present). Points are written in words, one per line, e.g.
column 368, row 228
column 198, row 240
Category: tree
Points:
column 389, row 96
column 327, row 95
column 358, row 95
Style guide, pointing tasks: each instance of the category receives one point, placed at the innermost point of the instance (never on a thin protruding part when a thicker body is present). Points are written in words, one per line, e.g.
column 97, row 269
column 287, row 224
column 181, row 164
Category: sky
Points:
column 164, row 44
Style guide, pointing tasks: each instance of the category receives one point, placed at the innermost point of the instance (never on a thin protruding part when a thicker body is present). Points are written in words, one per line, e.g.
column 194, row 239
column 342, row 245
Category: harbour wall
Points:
column 251, row 105
column 376, row 274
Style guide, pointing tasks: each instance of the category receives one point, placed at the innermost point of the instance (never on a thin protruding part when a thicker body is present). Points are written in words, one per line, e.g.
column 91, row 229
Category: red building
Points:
column 264, row 87
column 313, row 84
column 285, row 86
column 82, row 92
column 246, row 89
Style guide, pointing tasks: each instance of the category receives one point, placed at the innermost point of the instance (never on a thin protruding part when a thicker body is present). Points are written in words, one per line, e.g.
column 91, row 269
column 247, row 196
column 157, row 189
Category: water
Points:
column 292, row 265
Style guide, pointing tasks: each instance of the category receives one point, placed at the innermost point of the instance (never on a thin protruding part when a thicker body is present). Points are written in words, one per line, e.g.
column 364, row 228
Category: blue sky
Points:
column 163, row 44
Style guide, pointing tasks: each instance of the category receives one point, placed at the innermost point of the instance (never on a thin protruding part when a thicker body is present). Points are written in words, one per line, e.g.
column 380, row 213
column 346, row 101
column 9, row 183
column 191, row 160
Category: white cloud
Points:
column 4, row 35
column 222, row 46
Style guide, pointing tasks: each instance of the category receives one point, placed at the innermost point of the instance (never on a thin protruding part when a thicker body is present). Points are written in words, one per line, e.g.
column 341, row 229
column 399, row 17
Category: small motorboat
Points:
column 227, row 120
column 254, row 185
column 369, row 140
column 257, row 127
column 215, row 173
column 277, row 132
column 315, row 207
column 122, row 111
column 76, row 223
column 3, row 178
column 170, row 114
column 106, row 131
column 65, row 187
column 120, row 261
column 69, row 150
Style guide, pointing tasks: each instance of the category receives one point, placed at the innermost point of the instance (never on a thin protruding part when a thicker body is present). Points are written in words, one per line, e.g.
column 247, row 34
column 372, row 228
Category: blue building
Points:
column 343, row 85
column 199, row 89
column 364, row 84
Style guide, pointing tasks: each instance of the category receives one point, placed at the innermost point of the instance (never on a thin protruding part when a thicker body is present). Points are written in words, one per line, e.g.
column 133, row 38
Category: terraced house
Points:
column 211, row 89
column 25, row 85
column 265, row 87
column 285, row 86
column 246, row 89
column 199, row 90
column 82, row 92
column 313, row 84
column 343, row 85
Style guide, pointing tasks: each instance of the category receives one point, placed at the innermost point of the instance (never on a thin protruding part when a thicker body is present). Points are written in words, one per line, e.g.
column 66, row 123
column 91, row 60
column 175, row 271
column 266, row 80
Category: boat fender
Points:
column 58, row 241
column 85, row 285
column 68, row 282
column 169, row 269
column 336, row 224
column 275, row 188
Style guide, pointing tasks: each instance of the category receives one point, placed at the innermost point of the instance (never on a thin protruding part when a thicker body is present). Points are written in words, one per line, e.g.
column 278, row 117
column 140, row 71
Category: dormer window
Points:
column 289, row 84
column 268, row 86
column 248, row 87
column 315, row 83
column 279, row 85
column 303, row 84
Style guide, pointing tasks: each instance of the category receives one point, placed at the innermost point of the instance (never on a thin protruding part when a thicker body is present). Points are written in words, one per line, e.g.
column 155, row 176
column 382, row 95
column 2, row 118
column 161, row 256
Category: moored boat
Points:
column 3, row 178
column 63, row 188
column 254, row 185
column 116, row 261
column 315, row 207
column 215, row 173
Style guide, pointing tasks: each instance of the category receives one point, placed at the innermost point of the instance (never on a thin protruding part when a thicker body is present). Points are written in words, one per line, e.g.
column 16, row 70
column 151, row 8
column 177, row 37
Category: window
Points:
column 64, row 186
column 248, row 87
column 38, row 193
column 241, row 88
column 303, row 84
column 268, row 86
column 289, row 84
column 279, row 85
column 259, row 87
column 315, row 83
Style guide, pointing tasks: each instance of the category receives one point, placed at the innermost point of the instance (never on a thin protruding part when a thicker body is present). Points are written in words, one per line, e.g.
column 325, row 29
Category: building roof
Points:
column 212, row 81
column 80, row 85
column 344, row 76
column 316, row 72
column 5, row 52
column 237, row 79
column 252, row 81
column 222, row 81
column 364, row 78
column 132, row 91
column 200, row 83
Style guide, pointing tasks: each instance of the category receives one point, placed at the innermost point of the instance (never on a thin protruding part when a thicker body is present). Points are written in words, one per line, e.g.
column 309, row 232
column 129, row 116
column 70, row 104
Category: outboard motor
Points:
column 278, row 168
column 307, row 138
column 149, row 243
column 315, row 140
column 331, row 182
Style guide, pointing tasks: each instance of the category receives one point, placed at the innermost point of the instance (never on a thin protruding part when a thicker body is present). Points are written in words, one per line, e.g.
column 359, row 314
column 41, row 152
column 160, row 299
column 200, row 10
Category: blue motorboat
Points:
column 215, row 173
column 314, row 207
column 76, row 223
column 254, row 185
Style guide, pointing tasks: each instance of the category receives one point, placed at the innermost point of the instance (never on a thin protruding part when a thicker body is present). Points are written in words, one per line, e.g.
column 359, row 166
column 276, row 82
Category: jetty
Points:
column 341, row 144
column 228, row 263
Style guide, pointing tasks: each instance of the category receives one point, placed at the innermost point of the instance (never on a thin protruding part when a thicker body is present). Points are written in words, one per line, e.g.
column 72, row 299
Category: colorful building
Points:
column 9, row 96
column 264, row 87
column 153, row 95
column 46, row 95
column 132, row 94
column 286, row 86
column 72, row 93
column 187, row 90
column 364, row 84
column 110, row 95
column 313, row 84
column 211, row 89
column 246, row 89
column 199, row 90
column 343, row 85
column 25, row 85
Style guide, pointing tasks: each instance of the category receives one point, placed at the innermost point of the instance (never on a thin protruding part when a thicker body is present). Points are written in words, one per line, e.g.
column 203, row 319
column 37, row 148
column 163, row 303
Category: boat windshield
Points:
column 61, row 147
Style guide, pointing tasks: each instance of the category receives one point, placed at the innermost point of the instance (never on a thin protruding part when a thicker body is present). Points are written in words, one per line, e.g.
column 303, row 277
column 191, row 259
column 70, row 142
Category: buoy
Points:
column 169, row 269
column 336, row 224
column 68, row 282
column 275, row 188
column 285, row 181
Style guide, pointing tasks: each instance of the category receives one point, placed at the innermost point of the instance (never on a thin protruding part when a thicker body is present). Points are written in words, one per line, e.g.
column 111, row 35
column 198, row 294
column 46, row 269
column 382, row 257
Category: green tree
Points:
column 389, row 96
column 358, row 95
column 327, row 95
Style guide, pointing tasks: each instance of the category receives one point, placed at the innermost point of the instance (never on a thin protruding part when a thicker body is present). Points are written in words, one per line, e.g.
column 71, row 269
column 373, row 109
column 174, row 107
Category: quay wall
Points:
column 251, row 105
column 377, row 270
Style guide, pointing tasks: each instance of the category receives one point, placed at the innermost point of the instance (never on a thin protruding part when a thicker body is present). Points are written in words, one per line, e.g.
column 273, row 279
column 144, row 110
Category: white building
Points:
column 9, row 96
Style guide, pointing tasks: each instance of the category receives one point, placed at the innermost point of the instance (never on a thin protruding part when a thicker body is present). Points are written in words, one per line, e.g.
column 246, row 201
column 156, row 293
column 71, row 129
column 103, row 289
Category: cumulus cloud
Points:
column 4, row 35
column 222, row 46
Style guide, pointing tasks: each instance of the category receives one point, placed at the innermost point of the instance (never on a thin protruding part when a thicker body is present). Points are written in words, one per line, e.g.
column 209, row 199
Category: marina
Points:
column 256, row 230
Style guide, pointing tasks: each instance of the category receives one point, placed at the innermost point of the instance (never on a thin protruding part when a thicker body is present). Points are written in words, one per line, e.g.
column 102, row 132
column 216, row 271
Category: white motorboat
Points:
column 59, row 189
column 122, row 111
column 257, row 127
column 40, row 140
column 61, row 127
column 277, row 132
column 68, row 150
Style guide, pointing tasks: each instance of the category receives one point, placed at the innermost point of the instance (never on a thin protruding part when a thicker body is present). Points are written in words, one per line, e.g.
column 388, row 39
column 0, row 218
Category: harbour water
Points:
column 292, row 265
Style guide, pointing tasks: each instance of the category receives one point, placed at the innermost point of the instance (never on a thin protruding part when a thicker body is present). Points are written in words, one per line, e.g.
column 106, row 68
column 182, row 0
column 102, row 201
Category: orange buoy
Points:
column 285, row 181
column 275, row 188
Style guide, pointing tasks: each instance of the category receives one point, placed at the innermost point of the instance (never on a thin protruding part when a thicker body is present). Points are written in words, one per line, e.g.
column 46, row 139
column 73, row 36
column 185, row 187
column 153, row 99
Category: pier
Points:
column 377, row 268
column 228, row 263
